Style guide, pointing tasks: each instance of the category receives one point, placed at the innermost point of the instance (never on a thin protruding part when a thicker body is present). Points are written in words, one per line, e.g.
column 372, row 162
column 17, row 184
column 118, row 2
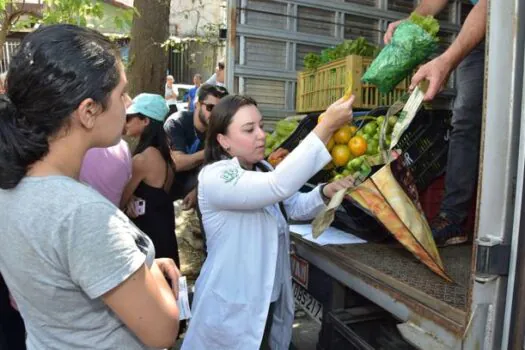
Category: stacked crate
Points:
column 268, row 40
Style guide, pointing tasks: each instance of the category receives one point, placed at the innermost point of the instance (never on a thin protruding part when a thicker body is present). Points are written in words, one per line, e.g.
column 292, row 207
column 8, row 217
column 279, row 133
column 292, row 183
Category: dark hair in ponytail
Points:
column 56, row 68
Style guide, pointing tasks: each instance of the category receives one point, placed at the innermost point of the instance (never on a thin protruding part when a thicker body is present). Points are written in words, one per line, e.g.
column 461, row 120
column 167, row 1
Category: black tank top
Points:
column 158, row 222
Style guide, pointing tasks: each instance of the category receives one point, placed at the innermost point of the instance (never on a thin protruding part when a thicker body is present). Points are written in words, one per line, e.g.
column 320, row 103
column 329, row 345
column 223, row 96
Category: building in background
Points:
column 195, row 28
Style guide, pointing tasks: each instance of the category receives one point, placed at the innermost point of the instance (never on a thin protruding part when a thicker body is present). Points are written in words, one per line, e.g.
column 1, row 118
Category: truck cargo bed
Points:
column 393, row 270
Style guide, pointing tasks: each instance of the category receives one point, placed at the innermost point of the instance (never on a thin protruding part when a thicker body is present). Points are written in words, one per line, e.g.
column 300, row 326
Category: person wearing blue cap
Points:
column 146, row 197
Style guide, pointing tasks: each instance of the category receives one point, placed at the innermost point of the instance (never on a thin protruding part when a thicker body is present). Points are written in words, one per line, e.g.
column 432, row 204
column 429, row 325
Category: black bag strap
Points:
column 199, row 216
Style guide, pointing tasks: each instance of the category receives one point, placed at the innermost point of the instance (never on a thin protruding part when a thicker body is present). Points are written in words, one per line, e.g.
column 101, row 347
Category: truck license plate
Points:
column 307, row 302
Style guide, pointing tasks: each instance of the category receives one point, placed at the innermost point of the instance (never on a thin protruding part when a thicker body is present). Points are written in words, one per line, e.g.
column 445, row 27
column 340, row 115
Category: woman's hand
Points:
column 130, row 208
column 169, row 269
column 329, row 190
column 337, row 115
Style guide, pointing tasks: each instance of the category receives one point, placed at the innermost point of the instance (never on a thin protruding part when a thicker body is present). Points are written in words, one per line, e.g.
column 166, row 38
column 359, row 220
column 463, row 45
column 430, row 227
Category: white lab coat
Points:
column 233, row 291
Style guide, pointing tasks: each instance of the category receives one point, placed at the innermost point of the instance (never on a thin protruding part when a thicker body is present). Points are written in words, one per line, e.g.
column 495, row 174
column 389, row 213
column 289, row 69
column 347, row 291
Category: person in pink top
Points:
column 107, row 170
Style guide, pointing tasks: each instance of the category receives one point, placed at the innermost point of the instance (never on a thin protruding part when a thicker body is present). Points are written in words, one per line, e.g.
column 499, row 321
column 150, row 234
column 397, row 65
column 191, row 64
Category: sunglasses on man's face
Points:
column 209, row 106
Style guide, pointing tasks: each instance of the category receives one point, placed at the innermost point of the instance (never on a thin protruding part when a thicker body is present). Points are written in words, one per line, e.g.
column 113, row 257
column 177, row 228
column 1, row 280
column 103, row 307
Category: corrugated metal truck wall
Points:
column 268, row 39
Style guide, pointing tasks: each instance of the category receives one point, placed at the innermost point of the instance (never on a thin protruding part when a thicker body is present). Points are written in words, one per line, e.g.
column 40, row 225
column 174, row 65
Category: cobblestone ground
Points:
column 191, row 253
column 187, row 229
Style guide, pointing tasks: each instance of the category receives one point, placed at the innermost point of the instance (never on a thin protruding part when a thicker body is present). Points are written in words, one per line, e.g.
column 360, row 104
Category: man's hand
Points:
column 390, row 31
column 190, row 201
column 436, row 72
column 170, row 271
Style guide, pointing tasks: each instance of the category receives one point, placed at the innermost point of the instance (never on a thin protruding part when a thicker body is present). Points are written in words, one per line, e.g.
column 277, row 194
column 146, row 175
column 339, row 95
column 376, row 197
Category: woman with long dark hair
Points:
column 244, row 287
column 82, row 275
column 146, row 196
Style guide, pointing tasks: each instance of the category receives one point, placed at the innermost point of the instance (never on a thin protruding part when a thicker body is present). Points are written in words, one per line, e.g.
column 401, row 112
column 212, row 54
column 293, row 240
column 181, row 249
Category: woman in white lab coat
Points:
column 248, row 267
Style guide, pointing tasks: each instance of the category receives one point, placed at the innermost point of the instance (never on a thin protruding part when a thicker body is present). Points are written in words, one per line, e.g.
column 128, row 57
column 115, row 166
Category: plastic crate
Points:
column 358, row 222
column 306, row 125
column 432, row 197
column 364, row 328
column 319, row 88
column 425, row 145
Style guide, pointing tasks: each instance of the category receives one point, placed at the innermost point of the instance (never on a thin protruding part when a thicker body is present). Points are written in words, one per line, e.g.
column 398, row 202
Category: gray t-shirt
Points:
column 63, row 246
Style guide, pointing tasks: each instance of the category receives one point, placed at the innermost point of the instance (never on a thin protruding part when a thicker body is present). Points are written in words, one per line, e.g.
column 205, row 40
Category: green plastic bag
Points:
column 409, row 47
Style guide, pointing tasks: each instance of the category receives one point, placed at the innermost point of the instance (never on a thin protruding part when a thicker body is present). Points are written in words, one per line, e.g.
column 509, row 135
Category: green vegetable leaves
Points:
column 359, row 46
column 428, row 23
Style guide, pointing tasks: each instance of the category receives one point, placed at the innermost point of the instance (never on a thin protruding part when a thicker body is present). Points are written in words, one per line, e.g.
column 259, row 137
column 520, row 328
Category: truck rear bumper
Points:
column 392, row 278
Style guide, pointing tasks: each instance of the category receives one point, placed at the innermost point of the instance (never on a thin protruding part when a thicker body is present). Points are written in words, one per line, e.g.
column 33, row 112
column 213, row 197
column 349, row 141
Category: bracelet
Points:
column 323, row 196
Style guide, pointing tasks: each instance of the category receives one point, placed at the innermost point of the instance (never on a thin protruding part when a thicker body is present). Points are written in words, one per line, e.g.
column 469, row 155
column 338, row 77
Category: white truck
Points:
column 484, row 309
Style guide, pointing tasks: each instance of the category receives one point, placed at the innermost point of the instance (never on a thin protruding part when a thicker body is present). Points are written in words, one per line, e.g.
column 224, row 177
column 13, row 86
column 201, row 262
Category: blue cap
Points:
column 151, row 105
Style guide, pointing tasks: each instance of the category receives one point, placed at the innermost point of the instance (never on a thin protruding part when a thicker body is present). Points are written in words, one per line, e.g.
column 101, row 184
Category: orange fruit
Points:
column 320, row 118
column 357, row 145
column 340, row 155
column 343, row 135
column 330, row 144
column 353, row 129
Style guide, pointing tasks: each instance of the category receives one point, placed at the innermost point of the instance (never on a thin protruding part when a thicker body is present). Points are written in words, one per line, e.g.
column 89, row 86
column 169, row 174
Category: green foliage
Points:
column 78, row 12
column 71, row 11
column 312, row 61
column 211, row 37
column 359, row 46
column 428, row 23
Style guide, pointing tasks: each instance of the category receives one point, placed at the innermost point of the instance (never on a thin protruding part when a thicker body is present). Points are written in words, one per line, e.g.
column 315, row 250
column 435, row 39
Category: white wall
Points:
column 188, row 17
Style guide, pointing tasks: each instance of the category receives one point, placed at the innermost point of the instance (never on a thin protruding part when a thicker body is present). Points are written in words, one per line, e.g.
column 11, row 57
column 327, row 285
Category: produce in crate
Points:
column 353, row 146
column 413, row 41
column 389, row 193
column 283, row 129
column 359, row 46
column 277, row 156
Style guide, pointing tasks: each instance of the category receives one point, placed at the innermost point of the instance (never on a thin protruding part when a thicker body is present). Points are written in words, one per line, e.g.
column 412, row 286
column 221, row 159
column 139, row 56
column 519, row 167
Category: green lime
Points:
column 392, row 120
column 370, row 128
column 372, row 147
column 338, row 177
column 365, row 169
column 355, row 164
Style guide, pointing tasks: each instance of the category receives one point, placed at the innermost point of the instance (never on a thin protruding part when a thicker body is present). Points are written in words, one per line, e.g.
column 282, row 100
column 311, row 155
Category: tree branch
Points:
column 13, row 17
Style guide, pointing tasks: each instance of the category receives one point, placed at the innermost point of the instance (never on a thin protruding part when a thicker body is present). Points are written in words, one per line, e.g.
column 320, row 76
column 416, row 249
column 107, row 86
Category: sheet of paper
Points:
column 301, row 230
column 183, row 301
column 330, row 236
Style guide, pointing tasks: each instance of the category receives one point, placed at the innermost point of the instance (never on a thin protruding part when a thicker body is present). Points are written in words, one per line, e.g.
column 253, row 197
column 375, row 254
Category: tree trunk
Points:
column 148, row 61
column 4, row 30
